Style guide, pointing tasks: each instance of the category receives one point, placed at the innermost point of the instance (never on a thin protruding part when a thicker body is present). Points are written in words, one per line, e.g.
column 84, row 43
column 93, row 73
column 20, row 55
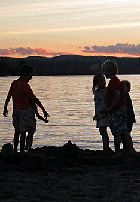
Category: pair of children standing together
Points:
column 113, row 107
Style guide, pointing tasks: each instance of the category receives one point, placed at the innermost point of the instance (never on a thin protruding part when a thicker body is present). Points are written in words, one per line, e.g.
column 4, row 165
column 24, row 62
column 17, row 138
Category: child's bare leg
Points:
column 128, row 140
column 26, row 146
column 22, row 141
column 125, row 147
column 105, row 138
column 16, row 140
column 30, row 139
column 117, row 142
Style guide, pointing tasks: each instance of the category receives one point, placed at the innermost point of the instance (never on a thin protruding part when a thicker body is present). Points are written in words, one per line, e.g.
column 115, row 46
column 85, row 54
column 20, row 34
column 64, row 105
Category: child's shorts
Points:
column 118, row 121
column 24, row 120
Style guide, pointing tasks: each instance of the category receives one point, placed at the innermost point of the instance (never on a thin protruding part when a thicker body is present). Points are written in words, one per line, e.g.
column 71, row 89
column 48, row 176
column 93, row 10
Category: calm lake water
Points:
column 69, row 101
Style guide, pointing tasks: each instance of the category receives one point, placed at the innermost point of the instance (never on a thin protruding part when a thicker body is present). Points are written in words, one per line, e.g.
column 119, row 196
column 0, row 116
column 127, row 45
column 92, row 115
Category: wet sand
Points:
column 69, row 174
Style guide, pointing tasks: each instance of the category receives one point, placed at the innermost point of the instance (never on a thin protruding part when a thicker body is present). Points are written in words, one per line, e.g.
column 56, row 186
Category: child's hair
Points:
column 26, row 69
column 127, row 84
column 96, row 79
column 110, row 66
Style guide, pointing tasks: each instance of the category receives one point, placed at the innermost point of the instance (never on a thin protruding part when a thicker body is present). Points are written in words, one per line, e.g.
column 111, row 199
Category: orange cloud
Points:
column 24, row 52
column 118, row 50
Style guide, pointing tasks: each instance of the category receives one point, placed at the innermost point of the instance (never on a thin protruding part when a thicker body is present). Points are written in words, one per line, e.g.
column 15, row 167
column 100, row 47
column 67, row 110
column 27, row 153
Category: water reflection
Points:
column 69, row 101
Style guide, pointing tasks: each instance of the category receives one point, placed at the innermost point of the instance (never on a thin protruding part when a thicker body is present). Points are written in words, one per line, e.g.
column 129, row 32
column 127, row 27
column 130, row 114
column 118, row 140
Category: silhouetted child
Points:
column 99, row 91
column 130, row 112
column 34, row 111
column 117, row 110
column 20, row 92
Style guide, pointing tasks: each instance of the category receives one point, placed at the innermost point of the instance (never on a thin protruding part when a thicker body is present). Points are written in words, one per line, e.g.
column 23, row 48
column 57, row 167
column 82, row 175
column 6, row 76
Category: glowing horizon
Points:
column 118, row 50
column 61, row 27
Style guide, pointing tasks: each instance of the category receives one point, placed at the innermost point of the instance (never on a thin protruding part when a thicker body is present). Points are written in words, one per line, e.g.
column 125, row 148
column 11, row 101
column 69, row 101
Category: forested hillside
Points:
column 67, row 65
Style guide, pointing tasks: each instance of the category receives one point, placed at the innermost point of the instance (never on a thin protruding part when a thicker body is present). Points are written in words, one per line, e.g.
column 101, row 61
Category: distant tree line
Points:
column 67, row 65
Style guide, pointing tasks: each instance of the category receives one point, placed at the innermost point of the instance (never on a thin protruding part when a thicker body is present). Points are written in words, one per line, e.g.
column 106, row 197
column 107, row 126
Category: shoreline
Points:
column 69, row 174
column 67, row 153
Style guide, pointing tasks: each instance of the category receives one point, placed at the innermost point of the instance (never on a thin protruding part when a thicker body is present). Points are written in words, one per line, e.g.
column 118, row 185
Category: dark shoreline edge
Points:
column 68, row 155
column 69, row 174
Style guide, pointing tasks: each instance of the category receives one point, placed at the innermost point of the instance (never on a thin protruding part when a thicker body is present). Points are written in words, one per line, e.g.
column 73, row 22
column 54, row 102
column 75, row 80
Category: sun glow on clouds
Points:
column 24, row 52
column 67, row 25
column 129, row 49
column 119, row 50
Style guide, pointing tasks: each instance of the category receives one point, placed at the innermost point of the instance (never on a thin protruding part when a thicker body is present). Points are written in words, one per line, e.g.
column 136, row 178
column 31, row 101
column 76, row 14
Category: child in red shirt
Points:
column 21, row 92
column 117, row 110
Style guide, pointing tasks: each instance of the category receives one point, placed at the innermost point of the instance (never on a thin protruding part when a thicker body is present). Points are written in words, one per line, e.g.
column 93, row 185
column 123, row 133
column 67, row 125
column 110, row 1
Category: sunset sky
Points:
column 82, row 27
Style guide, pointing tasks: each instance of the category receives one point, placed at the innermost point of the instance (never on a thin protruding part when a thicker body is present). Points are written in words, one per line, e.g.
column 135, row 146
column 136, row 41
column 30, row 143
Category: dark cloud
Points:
column 4, row 52
column 87, row 48
column 28, row 52
column 118, row 48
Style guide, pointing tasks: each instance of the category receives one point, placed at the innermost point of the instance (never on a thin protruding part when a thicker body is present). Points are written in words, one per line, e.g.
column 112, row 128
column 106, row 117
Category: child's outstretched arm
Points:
column 37, row 101
column 33, row 105
column 41, row 118
column 36, row 112
column 5, row 111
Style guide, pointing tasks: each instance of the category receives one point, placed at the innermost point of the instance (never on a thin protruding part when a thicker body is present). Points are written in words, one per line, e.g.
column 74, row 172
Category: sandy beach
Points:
column 69, row 174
